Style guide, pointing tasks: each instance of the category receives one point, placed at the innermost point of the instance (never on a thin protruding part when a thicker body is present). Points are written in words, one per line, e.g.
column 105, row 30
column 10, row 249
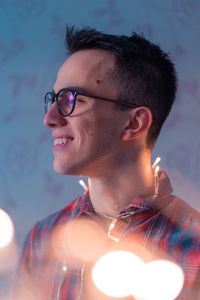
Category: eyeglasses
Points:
column 66, row 101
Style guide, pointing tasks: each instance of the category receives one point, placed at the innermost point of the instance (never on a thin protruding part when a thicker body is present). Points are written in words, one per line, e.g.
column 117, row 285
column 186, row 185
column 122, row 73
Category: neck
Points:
column 112, row 193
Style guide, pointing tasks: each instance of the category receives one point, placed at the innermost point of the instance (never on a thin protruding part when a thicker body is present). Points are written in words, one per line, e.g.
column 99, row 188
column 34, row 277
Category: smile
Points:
column 61, row 141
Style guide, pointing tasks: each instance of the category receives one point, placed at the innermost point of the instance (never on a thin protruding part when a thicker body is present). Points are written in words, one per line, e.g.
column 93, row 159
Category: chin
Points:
column 60, row 168
column 65, row 169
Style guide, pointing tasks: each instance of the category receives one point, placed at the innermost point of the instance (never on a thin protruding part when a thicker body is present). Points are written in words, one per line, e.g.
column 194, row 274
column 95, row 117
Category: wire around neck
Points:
column 124, row 215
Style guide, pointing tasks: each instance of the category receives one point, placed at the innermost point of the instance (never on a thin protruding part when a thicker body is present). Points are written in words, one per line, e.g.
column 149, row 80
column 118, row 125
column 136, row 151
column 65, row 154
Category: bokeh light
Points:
column 163, row 280
column 84, row 241
column 6, row 229
column 115, row 272
column 122, row 273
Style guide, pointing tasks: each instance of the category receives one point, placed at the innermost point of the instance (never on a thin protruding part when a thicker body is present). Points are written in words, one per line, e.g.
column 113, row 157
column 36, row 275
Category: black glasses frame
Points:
column 55, row 96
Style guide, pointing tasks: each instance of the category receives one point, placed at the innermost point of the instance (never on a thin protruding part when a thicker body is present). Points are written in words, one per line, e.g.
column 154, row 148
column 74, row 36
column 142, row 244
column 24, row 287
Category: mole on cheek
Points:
column 98, row 81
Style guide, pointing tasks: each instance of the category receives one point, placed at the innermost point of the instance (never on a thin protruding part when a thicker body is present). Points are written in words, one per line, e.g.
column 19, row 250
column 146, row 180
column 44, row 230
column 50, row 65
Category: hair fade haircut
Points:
column 144, row 73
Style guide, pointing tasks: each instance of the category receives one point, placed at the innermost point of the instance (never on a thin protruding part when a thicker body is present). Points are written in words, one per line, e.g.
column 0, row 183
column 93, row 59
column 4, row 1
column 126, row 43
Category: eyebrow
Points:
column 76, row 88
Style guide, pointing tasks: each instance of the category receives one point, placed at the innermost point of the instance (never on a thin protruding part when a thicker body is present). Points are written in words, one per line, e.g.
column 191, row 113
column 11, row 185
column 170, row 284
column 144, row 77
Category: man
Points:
column 108, row 104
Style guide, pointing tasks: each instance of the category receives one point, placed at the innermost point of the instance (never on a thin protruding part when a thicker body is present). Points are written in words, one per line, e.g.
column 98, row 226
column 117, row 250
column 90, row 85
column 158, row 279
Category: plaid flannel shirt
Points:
column 166, row 227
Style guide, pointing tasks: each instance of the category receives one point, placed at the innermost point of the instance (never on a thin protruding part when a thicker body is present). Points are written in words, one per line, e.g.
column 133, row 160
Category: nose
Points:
column 53, row 119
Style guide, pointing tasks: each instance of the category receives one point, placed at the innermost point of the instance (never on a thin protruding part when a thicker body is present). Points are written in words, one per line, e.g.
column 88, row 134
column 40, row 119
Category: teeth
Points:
column 60, row 141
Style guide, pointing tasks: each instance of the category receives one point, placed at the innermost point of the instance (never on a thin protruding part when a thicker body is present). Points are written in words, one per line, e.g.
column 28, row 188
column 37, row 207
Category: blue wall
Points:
column 32, row 49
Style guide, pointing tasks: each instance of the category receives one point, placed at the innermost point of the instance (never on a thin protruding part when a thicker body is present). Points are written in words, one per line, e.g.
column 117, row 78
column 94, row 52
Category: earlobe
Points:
column 140, row 120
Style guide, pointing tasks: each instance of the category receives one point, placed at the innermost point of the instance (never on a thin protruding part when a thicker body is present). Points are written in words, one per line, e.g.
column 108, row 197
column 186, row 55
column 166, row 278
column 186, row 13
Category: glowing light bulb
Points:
column 157, row 169
column 115, row 273
column 64, row 268
column 6, row 229
column 156, row 162
column 163, row 280
column 83, row 184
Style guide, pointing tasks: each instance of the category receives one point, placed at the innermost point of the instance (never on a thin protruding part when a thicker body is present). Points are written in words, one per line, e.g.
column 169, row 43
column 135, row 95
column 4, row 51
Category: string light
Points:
column 83, row 184
column 122, row 274
column 156, row 162
column 64, row 268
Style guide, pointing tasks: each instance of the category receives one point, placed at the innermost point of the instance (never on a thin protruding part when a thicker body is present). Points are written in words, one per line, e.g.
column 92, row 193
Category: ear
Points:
column 140, row 120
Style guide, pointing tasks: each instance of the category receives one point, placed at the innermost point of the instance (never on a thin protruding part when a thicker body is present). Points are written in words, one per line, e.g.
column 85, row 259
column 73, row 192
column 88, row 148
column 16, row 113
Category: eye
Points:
column 80, row 100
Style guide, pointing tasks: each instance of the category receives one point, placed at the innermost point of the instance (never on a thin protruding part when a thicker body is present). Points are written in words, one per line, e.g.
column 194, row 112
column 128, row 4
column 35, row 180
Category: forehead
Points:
column 92, row 68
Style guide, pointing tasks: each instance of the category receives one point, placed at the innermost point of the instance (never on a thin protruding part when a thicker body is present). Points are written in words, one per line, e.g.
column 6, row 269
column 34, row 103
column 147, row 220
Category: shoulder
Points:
column 184, row 215
column 177, row 231
column 41, row 243
column 183, row 232
column 41, row 238
column 46, row 226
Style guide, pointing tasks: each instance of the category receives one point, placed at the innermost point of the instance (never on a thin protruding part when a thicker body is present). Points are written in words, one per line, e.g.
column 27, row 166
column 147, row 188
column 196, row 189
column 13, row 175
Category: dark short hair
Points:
column 144, row 73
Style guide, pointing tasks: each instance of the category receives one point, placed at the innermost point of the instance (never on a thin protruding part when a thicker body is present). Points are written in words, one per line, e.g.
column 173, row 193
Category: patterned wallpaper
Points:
column 32, row 49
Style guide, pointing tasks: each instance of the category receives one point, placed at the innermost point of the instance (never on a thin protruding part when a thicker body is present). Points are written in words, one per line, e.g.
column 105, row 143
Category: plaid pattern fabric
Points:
column 165, row 228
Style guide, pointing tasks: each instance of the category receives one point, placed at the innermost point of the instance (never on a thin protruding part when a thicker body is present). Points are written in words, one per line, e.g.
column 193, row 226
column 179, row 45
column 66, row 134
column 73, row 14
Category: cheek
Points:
column 84, row 131
column 97, row 128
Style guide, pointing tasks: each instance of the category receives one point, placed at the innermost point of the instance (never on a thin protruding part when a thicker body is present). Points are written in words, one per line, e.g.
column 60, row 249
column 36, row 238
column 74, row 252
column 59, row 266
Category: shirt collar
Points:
column 148, row 203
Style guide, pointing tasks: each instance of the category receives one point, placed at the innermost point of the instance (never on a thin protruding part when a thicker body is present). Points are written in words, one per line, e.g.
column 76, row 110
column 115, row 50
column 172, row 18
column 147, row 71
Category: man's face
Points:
column 88, row 141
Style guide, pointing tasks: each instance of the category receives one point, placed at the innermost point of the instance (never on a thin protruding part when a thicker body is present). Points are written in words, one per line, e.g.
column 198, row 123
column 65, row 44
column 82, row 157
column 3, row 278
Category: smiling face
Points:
column 88, row 141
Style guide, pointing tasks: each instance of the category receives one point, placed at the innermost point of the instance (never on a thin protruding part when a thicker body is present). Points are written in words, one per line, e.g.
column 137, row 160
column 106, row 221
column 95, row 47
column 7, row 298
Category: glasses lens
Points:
column 48, row 101
column 66, row 101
